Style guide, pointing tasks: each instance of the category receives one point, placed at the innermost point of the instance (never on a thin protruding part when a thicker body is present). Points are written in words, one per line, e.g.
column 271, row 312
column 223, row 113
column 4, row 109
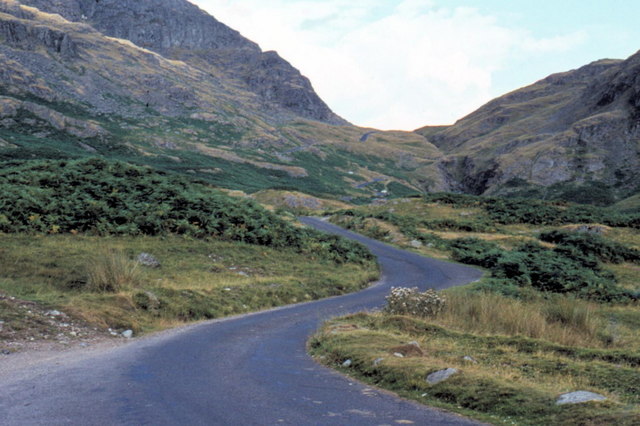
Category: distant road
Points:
column 247, row 370
column 365, row 136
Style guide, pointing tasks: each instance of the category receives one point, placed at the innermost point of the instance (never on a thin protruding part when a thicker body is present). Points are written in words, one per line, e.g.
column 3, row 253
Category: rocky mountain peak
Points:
column 178, row 29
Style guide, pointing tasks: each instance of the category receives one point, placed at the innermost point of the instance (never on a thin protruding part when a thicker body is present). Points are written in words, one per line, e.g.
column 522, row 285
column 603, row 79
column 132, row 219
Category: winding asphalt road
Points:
column 247, row 370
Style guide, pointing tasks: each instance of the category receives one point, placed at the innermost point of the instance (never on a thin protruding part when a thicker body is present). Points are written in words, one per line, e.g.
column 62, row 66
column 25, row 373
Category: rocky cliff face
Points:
column 574, row 127
column 179, row 30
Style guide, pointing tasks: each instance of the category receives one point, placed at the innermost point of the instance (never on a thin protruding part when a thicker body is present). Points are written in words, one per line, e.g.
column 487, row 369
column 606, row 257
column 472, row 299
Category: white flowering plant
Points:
column 410, row 301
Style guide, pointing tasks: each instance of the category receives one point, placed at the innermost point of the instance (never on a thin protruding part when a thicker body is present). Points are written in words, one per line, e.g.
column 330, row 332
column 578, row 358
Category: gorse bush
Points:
column 410, row 301
column 109, row 197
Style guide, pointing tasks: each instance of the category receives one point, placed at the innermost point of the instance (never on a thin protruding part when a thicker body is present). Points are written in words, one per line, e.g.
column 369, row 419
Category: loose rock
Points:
column 440, row 376
column 470, row 359
column 347, row 363
column 146, row 259
column 127, row 334
column 579, row 397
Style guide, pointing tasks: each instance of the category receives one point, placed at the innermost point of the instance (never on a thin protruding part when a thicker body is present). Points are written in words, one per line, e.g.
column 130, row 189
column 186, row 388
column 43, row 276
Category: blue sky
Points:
column 402, row 64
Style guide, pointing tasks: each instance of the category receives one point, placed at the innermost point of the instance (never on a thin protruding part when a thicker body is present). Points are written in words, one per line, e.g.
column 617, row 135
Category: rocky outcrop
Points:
column 10, row 107
column 28, row 37
column 177, row 29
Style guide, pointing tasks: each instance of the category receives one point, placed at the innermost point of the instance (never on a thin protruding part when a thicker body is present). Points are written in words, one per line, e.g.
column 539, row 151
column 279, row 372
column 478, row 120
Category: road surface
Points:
column 247, row 370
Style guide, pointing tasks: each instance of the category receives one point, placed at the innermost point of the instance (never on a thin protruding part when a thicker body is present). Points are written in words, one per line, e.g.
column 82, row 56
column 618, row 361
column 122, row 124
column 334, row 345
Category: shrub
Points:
column 110, row 197
column 591, row 245
column 410, row 301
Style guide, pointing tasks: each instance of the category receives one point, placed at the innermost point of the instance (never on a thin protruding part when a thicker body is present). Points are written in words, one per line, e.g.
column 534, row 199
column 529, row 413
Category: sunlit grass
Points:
column 98, row 280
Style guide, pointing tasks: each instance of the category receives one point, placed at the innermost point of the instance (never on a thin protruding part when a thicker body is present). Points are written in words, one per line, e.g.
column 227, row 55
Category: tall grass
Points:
column 111, row 271
column 561, row 320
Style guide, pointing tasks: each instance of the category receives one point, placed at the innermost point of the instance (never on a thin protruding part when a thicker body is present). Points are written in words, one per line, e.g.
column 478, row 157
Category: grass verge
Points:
column 504, row 379
column 96, row 279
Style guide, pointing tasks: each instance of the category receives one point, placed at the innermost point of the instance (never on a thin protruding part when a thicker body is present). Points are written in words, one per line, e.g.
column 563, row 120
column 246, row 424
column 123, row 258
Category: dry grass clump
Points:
column 111, row 271
column 561, row 320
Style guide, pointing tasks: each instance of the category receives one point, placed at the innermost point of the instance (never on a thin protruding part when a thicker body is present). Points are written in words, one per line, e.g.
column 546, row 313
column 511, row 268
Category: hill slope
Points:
column 573, row 127
column 127, row 80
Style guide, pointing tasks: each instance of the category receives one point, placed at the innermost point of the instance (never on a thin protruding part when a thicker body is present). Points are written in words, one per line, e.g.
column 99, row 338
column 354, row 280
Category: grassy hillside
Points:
column 71, row 233
column 557, row 311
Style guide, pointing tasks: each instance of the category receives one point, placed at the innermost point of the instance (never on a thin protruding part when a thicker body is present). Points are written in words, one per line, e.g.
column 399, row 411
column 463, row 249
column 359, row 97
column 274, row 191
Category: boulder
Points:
column 416, row 244
column 146, row 259
column 440, row 376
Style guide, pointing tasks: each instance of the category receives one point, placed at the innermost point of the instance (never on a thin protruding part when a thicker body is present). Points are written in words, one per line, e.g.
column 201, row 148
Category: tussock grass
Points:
column 110, row 270
column 561, row 320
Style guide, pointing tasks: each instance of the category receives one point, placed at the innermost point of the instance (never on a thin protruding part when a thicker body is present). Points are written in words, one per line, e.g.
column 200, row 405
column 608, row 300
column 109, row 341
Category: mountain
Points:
column 570, row 131
column 162, row 83
column 179, row 30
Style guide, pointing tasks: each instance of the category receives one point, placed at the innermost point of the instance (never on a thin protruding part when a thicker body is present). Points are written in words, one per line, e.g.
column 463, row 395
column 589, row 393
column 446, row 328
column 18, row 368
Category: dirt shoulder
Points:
column 30, row 334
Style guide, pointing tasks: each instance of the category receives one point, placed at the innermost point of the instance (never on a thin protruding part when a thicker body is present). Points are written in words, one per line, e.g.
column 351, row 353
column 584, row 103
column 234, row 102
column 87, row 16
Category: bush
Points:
column 110, row 197
column 409, row 301
column 591, row 245
column 555, row 271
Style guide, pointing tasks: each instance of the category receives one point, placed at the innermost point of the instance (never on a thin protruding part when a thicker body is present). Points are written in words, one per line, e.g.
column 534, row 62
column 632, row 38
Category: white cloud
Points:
column 388, row 64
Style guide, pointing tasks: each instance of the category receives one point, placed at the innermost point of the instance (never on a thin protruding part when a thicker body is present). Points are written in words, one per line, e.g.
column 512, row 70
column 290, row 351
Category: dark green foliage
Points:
column 531, row 265
column 398, row 190
column 106, row 197
column 591, row 245
column 459, row 225
column 458, row 200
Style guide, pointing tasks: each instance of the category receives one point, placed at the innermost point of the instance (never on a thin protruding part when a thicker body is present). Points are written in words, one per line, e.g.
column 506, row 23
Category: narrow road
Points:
column 248, row 370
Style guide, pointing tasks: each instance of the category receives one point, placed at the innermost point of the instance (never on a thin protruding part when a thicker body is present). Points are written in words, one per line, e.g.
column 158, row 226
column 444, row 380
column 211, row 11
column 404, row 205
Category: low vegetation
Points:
column 98, row 279
column 71, row 233
column 504, row 378
column 557, row 311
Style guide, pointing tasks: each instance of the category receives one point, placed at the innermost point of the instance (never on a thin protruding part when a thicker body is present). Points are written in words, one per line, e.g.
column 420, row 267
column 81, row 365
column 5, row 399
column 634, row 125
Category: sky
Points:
column 404, row 64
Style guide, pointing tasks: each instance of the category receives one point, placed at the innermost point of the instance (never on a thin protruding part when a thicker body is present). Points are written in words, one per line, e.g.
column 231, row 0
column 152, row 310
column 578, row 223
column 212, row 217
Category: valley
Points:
column 189, row 233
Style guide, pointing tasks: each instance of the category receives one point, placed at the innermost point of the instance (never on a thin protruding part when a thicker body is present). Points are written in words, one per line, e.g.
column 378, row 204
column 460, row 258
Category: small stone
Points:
column 54, row 313
column 84, row 345
column 146, row 259
column 470, row 359
column 113, row 333
column 347, row 363
column 5, row 352
column 398, row 354
column 416, row 243
column 579, row 397
column 128, row 334
column 441, row 375
column 414, row 343
column 377, row 361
